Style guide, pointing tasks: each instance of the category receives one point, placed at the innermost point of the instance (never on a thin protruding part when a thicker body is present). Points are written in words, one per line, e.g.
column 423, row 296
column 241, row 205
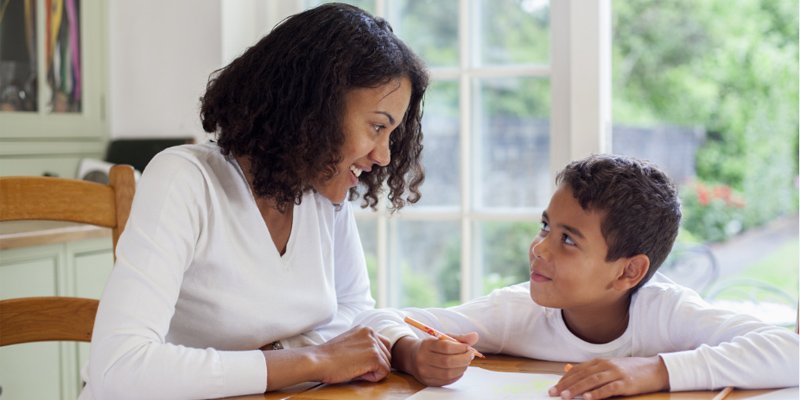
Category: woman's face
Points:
column 370, row 116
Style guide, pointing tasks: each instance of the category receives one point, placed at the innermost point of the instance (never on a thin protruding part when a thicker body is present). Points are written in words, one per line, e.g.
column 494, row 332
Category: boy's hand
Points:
column 600, row 378
column 434, row 362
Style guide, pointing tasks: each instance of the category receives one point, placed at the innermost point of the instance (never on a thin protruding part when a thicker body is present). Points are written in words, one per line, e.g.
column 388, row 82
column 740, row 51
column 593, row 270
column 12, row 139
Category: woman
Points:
column 240, row 269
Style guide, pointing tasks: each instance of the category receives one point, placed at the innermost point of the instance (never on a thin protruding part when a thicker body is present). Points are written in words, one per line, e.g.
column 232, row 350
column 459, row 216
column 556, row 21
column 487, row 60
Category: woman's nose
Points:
column 381, row 154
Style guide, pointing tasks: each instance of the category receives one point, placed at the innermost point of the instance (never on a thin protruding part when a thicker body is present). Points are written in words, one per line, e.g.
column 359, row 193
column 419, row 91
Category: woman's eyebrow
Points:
column 391, row 118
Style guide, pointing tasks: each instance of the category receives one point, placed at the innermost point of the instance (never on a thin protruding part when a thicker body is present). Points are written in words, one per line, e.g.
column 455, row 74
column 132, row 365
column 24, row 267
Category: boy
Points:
column 609, row 226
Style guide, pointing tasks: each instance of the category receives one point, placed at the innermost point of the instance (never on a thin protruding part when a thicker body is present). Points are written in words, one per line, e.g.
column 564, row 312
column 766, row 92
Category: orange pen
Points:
column 439, row 335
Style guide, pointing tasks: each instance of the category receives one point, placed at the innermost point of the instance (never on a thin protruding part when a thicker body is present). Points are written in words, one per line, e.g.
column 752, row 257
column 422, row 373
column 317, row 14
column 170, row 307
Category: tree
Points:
column 730, row 67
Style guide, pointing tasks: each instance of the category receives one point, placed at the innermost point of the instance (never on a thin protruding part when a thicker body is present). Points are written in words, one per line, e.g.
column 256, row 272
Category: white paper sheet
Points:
column 783, row 394
column 481, row 384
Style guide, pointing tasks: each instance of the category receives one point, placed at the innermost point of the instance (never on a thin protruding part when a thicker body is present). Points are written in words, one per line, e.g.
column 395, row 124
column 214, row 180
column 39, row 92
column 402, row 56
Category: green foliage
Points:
column 729, row 66
column 505, row 260
column 419, row 290
column 778, row 269
column 712, row 212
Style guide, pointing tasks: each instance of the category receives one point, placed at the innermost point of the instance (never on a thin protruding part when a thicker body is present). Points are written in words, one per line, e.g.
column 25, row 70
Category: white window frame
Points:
column 580, row 119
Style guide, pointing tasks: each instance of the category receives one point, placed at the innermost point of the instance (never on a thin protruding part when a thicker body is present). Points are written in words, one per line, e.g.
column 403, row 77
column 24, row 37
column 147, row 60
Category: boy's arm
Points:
column 715, row 348
column 433, row 362
column 437, row 362
column 491, row 317
column 698, row 348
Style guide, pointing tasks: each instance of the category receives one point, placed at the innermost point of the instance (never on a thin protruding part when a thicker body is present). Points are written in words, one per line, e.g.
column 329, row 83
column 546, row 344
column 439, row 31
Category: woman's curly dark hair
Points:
column 281, row 103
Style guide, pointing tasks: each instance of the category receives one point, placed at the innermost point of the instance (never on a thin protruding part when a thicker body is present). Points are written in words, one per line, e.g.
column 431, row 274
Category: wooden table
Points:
column 400, row 386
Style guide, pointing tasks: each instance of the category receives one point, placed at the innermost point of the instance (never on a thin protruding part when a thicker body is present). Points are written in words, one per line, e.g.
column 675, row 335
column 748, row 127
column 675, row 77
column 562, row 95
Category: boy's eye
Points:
column 545, row 227
column 567, row 240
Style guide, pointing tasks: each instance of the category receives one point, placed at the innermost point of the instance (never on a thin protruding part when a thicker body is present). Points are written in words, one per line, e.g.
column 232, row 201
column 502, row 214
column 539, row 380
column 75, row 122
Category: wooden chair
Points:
column 37, row 319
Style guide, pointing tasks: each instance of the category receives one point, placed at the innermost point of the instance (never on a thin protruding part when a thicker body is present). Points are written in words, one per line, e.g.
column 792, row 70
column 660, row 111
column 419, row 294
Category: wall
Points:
column 160, row 56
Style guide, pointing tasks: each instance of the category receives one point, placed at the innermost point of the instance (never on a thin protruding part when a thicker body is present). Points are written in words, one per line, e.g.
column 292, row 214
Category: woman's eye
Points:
column 567, row 240
column 378, row 128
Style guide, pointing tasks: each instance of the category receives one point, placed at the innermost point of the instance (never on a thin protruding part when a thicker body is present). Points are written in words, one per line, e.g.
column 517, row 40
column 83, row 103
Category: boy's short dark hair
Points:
column 640, row 205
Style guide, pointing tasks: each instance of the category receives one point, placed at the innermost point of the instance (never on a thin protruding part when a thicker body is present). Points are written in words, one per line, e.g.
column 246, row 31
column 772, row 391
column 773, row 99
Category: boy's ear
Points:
column 634, row 271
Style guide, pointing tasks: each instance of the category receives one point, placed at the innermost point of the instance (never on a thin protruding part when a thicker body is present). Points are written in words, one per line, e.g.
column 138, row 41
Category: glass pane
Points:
column 366, row 5
column 503, row 253
column 429, row 27
column 18, row 56
column 512, row 133
column 426, row 262
column 514, row 32
column 712, row 97
column 440, row 124
column 368, row 231
column 64, row 70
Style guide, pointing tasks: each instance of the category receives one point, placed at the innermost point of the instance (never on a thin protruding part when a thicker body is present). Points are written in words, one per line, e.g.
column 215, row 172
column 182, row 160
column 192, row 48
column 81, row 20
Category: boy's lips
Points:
column 537, row 277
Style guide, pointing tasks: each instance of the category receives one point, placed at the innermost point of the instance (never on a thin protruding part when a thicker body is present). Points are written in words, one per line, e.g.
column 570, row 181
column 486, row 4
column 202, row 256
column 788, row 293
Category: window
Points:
column 712, row 97
column 501, row 86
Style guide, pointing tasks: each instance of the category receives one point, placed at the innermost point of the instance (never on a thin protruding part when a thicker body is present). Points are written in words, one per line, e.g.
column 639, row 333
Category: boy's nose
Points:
column 539, row 249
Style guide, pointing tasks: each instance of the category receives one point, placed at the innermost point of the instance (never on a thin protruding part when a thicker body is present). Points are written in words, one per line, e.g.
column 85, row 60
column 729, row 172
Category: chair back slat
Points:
column 38, row 319
column 56, row 199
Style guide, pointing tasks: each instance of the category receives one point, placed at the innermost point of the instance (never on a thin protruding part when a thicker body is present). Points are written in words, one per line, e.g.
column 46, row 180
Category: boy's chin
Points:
column 538, row 302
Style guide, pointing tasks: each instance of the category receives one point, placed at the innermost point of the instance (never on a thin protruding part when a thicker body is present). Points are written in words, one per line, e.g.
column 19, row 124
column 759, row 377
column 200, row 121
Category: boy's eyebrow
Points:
column 570, row 229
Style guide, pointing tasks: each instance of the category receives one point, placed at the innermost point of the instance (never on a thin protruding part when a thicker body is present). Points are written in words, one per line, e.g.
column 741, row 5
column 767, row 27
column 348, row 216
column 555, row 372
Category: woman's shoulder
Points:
column 201, row 153
column 204, row 158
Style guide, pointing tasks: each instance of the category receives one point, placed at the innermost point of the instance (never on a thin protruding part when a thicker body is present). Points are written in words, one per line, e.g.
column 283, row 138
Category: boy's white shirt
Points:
column 703, row 347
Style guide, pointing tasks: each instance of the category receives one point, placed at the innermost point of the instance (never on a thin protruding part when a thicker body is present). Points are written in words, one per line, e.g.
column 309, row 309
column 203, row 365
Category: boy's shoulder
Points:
column 662, row 291
column 517, row 293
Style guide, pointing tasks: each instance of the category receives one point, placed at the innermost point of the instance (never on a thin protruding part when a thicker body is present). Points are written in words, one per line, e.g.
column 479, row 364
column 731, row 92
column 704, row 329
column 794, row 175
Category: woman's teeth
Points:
column 356, row 171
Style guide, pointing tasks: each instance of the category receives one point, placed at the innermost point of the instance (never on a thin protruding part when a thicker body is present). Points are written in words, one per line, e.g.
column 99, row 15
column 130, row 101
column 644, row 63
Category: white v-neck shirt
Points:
column 199, row 286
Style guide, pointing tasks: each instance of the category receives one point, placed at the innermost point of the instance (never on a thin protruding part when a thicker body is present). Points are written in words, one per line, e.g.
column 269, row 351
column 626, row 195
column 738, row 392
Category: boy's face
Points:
column 567, row 257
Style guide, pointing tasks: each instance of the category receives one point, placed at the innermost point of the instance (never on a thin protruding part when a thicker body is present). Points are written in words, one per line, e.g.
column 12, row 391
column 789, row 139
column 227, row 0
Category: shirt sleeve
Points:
column 471, row 316
column 130, row 357
column 351, row 282
column 728, row 349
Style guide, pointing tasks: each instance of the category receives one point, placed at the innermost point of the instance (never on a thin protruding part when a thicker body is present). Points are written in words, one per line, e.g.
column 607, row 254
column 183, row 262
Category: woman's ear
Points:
column 634, row 271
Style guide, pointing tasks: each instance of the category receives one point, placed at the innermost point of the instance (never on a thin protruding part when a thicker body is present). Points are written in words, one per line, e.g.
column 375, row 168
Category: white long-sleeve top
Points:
column 703, row 347
column 199, row 286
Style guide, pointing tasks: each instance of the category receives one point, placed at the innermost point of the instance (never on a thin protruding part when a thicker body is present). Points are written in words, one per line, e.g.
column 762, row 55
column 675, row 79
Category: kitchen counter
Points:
column 16, row 234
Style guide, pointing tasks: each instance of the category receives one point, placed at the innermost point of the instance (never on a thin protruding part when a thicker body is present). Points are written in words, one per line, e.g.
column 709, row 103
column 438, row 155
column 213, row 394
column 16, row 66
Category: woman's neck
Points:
column 279, row 223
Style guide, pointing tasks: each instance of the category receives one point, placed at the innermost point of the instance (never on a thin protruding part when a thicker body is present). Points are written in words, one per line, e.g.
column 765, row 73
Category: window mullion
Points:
column 465, row 105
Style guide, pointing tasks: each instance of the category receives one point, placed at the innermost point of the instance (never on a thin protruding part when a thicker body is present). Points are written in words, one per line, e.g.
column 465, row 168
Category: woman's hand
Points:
column 434, row 362
column 359, row 353
column 600, row 378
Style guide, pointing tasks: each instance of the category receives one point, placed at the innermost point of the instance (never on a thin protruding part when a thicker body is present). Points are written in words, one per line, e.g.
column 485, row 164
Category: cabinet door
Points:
column 52, row 69
column 92, row 261
column 32, row 370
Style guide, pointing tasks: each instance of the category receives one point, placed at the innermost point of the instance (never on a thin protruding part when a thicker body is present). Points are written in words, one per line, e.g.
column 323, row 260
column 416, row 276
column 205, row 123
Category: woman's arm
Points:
column 130, row 356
